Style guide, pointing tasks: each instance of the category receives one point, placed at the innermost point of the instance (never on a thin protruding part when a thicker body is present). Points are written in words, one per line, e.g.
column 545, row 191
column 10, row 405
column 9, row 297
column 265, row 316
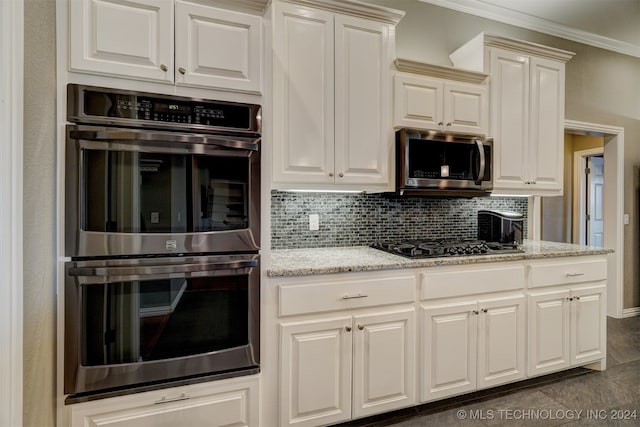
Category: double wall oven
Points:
column 162, row 229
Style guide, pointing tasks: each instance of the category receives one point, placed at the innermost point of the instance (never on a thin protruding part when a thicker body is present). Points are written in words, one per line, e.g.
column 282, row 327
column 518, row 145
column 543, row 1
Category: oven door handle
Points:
column 482, row 162
column 160, row 269
column 237, row 143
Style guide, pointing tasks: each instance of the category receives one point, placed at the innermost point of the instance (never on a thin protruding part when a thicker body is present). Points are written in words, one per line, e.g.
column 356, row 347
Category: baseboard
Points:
column 631, row 312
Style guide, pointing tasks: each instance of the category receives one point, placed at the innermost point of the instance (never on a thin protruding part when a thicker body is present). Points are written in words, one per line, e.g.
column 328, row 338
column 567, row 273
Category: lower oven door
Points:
column 133, row 322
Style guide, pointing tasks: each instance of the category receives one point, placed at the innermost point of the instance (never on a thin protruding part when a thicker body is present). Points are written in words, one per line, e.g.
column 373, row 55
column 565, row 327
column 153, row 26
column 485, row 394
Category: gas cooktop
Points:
column 445, row 248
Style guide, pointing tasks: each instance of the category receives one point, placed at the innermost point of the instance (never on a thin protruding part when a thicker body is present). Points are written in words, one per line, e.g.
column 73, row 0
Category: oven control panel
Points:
column 102, row 105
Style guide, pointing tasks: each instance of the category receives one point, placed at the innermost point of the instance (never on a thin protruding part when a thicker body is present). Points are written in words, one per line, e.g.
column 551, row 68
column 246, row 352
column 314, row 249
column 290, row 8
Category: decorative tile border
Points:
column 360, row 219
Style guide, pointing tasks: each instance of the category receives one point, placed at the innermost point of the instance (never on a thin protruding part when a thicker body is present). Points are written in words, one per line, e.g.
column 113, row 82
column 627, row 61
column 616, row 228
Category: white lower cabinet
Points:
column 472, row 344
column 220, row 403
column 567, row 327
column 336, row 368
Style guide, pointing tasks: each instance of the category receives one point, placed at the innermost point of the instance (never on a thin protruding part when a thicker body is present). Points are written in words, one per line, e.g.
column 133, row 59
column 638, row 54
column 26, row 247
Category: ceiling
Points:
column 608, row 24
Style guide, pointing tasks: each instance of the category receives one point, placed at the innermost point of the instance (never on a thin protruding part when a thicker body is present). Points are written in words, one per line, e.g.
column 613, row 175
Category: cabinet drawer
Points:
column 330, row 296
column 549, row 274
column 473, row 281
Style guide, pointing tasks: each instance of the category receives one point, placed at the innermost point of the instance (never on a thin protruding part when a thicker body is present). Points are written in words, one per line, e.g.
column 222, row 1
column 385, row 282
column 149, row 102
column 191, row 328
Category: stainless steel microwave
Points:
column 443, row 164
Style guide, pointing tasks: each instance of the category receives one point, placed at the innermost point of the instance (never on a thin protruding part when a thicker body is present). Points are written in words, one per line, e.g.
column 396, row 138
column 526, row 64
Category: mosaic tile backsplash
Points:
column 348, row 219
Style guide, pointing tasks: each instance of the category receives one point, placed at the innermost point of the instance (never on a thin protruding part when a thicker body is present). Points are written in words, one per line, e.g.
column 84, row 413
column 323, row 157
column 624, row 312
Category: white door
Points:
column 303, row 93
column 315, row 372
column 588, row 324
column 383, row 362
column 509, row 118
column 546, row 141
column 466, row 108
column 448, row 349
column 418, row 102
column 595, row 199
column 548, row 331
column 217, row 48
column 363, row 134
column 129, row 39
column 501, row 341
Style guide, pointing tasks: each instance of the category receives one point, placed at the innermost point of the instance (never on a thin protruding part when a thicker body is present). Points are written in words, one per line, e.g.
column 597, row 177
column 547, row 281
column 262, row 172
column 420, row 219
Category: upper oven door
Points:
column 137, row 192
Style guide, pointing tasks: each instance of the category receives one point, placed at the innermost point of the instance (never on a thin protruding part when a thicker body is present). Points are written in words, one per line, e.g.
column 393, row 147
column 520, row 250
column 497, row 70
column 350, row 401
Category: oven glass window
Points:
column 137, row 192
column 432, row 159
column 135, row 321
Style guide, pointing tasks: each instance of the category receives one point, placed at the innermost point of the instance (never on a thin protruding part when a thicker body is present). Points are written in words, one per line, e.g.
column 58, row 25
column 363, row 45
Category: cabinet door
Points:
column 548, row 331
column 128, row 39
column 303, row 93
column 363, row 135
column 449, row 339
column 384, row 362
column 418, row 102
column 217, row 48
column 546, row 141
column 315, row 372
column 509, row 118
column 466, row 108
column 501, row 341
column 588, row 324
column 212, row 404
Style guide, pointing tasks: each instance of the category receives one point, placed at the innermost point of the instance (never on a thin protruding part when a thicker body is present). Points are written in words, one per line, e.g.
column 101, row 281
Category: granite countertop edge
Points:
column 327, row 260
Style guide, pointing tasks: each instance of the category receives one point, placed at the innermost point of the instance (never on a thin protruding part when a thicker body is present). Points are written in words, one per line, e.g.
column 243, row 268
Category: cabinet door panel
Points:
column 132, row 39
column 466, row 108
column 501, row 341
column 418, row 102
column 449, row 350
column 217, row 48
column 315, row 370
column 303, row 149
column 546, row 148
column 510, row 117
column 548, row 331
column 384, row 362
column 362, row 85
column 588, row 324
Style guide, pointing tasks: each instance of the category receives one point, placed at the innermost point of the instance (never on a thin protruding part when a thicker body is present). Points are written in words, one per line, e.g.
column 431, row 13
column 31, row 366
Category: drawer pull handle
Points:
column 354, row 296
column 164, row 399
column 475, row 312
column 574, row 274
column 347, row 328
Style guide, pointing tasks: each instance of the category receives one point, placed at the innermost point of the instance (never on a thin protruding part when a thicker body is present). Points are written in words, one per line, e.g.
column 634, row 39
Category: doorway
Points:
column 588, row 196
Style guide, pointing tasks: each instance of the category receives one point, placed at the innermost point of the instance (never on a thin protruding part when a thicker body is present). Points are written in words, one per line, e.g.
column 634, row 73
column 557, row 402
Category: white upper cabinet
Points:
column 440, row 98
column 527, row 111
column 214, row 47
column 332, row 88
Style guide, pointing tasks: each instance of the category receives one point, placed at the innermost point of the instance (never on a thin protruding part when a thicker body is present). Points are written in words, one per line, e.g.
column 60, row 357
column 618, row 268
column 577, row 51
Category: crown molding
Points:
column 244, row 5
column 449, row 73
column 355, row 8
column 527, row 47
column 523, row 20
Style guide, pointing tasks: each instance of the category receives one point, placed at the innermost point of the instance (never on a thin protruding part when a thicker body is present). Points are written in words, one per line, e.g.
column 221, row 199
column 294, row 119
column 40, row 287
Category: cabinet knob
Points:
column 347, row 328
column 576, row 298
column 341, row 175
column 476, row 312
column 440, row 123
column 360, row 327
column 449, row 124
column 331, row 174
column 484, row 310
column 163, row 67
column 182, row 70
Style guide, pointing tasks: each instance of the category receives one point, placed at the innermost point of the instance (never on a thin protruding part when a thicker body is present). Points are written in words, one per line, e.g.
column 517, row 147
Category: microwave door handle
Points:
column 150, row 136
column 482, row 162
column 160, row 269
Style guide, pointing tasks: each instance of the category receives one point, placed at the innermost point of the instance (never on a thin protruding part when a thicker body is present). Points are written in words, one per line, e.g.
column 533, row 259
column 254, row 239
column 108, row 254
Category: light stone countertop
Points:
column 305, row 262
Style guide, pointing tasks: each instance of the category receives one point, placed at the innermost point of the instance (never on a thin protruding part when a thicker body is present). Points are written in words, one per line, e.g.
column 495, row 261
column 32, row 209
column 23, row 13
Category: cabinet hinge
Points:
column 587, row 171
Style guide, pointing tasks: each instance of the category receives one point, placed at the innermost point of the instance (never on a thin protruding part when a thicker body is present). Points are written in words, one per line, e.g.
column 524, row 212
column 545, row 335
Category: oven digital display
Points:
column 163, row 107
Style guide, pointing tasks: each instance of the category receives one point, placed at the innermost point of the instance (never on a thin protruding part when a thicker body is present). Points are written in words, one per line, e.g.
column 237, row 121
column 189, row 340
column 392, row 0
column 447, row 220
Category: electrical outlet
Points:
column 625, row 219
column 314, row 222
column 155, row 217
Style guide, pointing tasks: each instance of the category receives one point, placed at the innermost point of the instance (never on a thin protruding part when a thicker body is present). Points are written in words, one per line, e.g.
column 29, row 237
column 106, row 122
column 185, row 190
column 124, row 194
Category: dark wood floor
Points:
column 578, row 397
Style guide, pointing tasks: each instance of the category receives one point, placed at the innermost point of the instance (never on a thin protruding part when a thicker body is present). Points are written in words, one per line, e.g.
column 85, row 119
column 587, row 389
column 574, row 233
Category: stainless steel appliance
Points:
column 155, row 175
column 432, row 248
column 500, row 227
column 443, row 164
column 162, row 227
